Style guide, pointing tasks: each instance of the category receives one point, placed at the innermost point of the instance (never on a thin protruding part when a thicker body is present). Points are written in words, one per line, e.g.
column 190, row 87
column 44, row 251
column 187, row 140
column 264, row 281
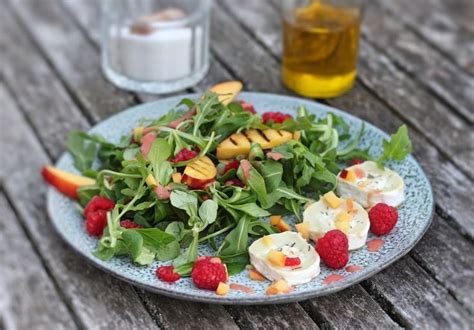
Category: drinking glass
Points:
column 155, row 46
column 320, row 45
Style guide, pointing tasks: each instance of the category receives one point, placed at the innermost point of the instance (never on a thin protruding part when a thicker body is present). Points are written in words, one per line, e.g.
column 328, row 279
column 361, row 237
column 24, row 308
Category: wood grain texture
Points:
column 354, row 309
column 415, row 300
column 178, row 314
column 41, row 95
column 439, row 23
column 97, row 299
column 451, row 191
column 449, row 259
column 414, row 104
column 283, row 316
column 73, row 57
column 28, row 299
column 420, row 60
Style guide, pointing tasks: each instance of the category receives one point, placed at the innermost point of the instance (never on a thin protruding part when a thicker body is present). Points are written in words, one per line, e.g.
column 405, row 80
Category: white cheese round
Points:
column 292, row 245
column 322, row 218
column 372, row 185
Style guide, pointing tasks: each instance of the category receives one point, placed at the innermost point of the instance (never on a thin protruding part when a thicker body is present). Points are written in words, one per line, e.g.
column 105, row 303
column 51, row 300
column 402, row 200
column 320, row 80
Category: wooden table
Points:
column 416, row 66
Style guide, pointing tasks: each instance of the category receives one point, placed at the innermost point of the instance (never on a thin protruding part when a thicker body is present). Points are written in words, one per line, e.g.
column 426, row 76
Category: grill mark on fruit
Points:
column 279, row 132
column 199, row 170
column 231, row 139
column 263, row 135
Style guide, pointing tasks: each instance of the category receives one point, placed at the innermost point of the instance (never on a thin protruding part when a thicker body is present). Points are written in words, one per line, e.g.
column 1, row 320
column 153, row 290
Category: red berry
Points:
column 382, row 218
column 234, row 182
column 167, row 274
column 333, row 248
column 183, row 155
column 292, row 262
column 96, row 222
column 208, row 273
column 233, row 164
column 247, row 107
column 356, row 161
column 98, row 203
column 276, row 117
column 129, row 224
column 343, row 174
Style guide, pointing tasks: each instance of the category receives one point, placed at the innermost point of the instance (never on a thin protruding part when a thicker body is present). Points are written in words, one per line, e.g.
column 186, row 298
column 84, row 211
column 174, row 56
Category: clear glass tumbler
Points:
column 155, row 46
column 320, row 45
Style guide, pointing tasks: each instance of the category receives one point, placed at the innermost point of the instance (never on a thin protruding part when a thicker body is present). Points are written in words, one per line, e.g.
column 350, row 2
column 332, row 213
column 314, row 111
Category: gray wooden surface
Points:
column 416, row 66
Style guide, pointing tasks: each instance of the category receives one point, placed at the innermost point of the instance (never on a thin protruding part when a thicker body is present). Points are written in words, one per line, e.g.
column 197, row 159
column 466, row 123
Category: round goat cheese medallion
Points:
column 269, row 253
column 414, row 215
column 368, row 185
column 349, row 217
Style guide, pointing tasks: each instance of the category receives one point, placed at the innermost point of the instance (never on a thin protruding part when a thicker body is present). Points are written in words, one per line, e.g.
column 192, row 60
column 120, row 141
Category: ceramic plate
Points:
column 414, row 215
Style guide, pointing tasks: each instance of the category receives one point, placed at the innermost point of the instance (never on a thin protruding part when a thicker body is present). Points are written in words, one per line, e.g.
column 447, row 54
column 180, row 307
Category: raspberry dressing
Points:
column 332, row 278
column 240, row 287
column 375, row 244
column 354, row 268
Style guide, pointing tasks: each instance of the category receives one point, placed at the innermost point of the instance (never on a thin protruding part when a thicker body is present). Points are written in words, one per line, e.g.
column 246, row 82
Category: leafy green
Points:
column 397, row 148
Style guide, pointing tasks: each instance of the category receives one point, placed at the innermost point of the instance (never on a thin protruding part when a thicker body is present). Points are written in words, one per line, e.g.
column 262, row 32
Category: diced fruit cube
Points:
column 283, row 226
column 332, row 200
column 279, row 287
column 267, row 240
column 351, row 176
column 303, row 229
column 343, row 174
column 256, row 276
column 138, row 133
column 343, row 216
column 292, row 261
column 342, row 226
column 275, row 220
column 222, row 289
column 176, row 177
column 276, row 258
column 151, row 181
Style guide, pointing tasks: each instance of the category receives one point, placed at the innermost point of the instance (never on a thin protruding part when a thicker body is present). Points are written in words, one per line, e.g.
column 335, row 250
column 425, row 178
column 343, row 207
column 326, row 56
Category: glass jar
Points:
column 320, row 45
column 155, row 46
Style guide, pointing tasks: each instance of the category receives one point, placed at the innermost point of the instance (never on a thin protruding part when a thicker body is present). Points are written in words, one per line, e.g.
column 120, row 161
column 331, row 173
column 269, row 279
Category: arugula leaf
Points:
column 82, row 150
column 236, row 242
column 153, row 236
column 272, row 172
column 397, row 148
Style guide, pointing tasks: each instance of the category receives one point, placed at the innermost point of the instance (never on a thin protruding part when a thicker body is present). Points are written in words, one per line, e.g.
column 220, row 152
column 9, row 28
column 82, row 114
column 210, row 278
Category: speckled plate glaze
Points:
column 414, row 215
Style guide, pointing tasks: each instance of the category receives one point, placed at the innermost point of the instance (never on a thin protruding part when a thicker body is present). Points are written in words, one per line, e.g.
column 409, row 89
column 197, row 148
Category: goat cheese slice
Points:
column 368, row 185
column 292, row 245
column 349, row 217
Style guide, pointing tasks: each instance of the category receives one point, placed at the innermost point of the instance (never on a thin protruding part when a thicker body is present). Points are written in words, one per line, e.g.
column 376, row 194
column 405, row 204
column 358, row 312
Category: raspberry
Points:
column 356, row 161
column 247, row 107
column 208, row 272
column 333, row 248
column 98, row 203
column 96, row 222
column 276, row 117
column 167, row 274
column 129, row 224
column 292, row 262
column 234, row 164
column 183, row 155
column 382, row 218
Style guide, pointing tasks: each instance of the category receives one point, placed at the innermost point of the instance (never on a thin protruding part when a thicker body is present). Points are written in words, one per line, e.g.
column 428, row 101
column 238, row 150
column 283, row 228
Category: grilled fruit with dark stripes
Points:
column 239, row 143
column 199, row 173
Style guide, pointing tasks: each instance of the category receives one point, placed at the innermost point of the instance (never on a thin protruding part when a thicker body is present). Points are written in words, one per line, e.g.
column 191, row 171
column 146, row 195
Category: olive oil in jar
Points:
column 320, row 44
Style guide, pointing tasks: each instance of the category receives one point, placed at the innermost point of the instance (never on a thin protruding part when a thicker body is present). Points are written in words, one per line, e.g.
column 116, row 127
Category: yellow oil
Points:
column 320, row 49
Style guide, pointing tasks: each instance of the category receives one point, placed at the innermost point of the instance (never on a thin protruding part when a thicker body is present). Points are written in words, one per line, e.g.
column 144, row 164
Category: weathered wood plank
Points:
column 73, row 57
column 417, row 57
column 376, row 71
column 29, row 299
column 354, row 309
column 284, row 316
column 433, row 20
column 97, row 299
column 178, row 314
column 415, row 299
column 449, row 259
column 451, row 191
column 41, row 95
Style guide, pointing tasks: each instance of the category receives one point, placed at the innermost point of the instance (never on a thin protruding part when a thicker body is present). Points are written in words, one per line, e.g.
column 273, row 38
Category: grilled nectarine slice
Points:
column 227, row 90
column 67, row 183
column 199, row 173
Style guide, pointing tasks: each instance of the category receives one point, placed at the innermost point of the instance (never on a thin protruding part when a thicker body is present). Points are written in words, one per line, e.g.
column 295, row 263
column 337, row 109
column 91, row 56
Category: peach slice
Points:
column 67, row 183
column 227, row 90
column 199, row 173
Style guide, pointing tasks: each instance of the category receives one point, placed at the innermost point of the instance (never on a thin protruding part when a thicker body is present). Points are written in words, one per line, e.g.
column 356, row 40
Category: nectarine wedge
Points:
column 199, row 173
column 227, row 90
column 67, row 183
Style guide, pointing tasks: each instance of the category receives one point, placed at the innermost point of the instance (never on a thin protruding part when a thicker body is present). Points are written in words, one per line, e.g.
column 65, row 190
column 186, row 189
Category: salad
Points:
column 213, row 172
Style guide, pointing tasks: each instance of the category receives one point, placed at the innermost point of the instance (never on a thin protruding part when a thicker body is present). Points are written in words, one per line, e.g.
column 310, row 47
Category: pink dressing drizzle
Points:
column 354, row 268
column 332, row 278
column 239, row 287
column 375, row 244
